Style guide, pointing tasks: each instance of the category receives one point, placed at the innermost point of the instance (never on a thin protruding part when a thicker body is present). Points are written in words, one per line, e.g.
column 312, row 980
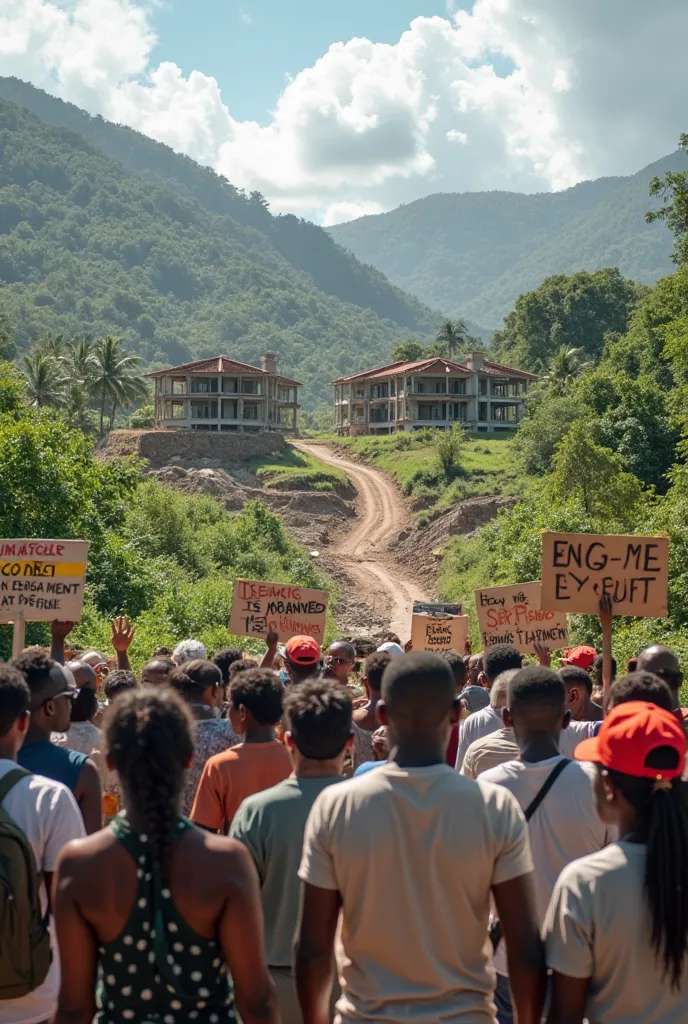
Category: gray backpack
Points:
column 24, row 936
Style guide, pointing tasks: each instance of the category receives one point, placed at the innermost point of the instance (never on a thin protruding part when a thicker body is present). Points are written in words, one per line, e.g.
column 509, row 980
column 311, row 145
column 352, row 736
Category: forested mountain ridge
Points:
column 86, row 246
column 475, row 253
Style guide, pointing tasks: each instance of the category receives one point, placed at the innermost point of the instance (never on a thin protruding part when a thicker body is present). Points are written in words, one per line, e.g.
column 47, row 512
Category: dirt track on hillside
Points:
column 359, row 552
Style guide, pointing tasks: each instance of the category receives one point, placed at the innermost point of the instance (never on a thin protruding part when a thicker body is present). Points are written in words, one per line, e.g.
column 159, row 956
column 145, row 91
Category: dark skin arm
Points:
column 569, row 999
column 271, row 640
column 515, row 901
column 313, row 951
column 606, row 623
column 242, row 941
column 88, row 795
column 78, row 947
column 59, row 631
column 122, row 636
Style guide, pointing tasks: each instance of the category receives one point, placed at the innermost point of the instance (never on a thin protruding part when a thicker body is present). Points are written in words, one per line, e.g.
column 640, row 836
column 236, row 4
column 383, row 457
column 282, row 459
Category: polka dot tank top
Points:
column 158, row 969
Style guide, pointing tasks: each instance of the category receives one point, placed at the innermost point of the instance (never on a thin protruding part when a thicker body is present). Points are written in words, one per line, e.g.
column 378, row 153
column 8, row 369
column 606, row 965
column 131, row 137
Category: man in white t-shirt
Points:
column 496, row 661
column 48, row 814
column 566, row 824
column 411, row 855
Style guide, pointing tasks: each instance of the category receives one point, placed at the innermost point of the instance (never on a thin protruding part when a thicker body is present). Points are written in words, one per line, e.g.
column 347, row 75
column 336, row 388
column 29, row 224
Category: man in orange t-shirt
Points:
column 259, row 762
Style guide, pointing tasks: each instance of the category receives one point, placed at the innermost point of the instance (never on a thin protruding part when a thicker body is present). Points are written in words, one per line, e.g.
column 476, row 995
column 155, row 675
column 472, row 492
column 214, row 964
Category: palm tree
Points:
column 453, row 336
column 115, row 377
column 52, row 345
column 45, row 380
column 564, row 367
column 81, row 360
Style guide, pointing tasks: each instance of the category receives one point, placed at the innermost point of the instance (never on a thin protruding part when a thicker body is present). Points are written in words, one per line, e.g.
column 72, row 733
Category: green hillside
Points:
column 473, row 254
column 87, row 246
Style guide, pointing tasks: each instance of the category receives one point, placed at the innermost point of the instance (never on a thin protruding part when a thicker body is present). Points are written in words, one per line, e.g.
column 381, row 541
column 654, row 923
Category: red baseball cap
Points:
column 303, row 650
column 581, row 657
column 629, row 734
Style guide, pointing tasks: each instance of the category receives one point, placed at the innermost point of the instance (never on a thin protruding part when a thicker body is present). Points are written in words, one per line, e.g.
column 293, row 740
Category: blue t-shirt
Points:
column 58, row 763
column 368, row 766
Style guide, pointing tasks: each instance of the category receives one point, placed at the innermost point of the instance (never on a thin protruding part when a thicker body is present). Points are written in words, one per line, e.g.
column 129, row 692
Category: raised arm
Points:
column 515, row 902
column 59, row 631
column 122, row 635
column 606, row 617
column 271, row 640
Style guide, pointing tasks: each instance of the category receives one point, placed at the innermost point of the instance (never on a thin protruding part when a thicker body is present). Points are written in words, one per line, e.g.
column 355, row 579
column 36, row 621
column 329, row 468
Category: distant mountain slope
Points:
column 475, row 253
column 86, row 246
column 306, row 246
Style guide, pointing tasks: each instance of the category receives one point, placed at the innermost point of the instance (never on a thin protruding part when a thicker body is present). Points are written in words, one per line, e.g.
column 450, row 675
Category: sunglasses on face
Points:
column 334, row 660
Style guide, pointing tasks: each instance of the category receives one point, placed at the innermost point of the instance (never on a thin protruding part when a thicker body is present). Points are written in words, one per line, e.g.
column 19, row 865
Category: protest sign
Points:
column 438, row 627
column 577, row 568
column 42, row 580
column 514, row 615
column 260, row 608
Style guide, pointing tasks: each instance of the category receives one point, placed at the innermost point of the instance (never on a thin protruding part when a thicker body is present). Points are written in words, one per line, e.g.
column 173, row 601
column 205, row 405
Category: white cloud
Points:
column 518, row 94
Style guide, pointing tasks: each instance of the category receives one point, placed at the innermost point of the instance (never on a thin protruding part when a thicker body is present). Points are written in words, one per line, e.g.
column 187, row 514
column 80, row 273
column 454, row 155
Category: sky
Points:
column 334, row 111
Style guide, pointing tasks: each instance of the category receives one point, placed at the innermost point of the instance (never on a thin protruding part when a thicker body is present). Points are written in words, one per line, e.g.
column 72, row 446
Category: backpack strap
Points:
column 545, row 788
column 9, row 781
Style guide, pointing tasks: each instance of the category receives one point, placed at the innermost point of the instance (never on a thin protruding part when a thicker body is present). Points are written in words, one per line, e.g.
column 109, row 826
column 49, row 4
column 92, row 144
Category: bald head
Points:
column 156, row 672
column 663, row 662
column 84, row 675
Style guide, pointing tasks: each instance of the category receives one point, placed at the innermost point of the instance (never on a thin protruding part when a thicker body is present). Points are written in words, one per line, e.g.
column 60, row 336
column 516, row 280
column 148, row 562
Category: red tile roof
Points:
column 426, row 364
column 368, row 373
column 509, row 371
column 219, row 364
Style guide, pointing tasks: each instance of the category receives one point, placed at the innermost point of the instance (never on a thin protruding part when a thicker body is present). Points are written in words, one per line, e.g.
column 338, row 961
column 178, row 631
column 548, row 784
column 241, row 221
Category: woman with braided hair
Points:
column 616, row 932
column 167, row 916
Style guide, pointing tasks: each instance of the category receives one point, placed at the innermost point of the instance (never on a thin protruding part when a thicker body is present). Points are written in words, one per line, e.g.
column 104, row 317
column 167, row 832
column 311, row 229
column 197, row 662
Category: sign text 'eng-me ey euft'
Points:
column 42, row 580
column 514, row 615
column 577, row 569
column 259, row 608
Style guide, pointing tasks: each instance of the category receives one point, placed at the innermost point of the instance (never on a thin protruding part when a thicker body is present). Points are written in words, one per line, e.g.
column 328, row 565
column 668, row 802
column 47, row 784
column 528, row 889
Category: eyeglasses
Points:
column 338, row 661
column 71, row 694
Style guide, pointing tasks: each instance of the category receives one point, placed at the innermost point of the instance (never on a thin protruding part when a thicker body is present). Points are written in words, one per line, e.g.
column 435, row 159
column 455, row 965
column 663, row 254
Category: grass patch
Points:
column 294, row 470
column 486, row 467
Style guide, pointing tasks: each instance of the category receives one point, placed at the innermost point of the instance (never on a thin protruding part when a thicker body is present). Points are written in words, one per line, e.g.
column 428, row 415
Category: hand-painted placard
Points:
column 439, row 632
column 259, row 608
column 514, row 615
column 42, row 580
column 578, row 568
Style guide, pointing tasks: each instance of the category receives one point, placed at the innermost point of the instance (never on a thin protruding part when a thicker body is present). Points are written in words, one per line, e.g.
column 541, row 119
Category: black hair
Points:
column 319, row 715
column 242, row 665
column 162, row 652
column 500, row 659
column 673, row 677
column 663, row 826
column 118, row 682
column 640, row 686
column 85, row 705
column 392, row 638
column 159, row 665
column 458, row 666
column 15, row 696
column 194, row 677
column 224, row 660
column 260, row 692
column 35, row 666
column 536, row 686
column 418, row 686
column 149, row 739
column 598, row 665
column 574, row 674
column 374, row 668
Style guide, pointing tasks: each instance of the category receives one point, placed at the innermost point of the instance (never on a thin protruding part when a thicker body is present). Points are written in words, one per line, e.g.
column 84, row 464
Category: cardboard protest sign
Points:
column 42, row 580
column 259, row 608
column 577, row 568
column 438, row 627
column 514, row 615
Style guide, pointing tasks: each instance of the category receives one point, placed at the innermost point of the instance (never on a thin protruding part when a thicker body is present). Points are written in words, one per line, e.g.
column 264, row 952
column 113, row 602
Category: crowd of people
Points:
column 364, row 833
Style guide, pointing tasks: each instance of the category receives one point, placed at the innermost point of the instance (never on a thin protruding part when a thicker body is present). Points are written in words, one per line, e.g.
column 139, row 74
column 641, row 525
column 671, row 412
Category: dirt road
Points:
column 361, row 550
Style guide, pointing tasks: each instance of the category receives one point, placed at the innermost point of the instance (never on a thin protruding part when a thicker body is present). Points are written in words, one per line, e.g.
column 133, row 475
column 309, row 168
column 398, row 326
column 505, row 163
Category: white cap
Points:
column 391, row 648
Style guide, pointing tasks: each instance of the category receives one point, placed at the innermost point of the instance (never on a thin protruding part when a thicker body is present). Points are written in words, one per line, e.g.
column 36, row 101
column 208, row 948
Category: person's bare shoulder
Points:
column 223, row 860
